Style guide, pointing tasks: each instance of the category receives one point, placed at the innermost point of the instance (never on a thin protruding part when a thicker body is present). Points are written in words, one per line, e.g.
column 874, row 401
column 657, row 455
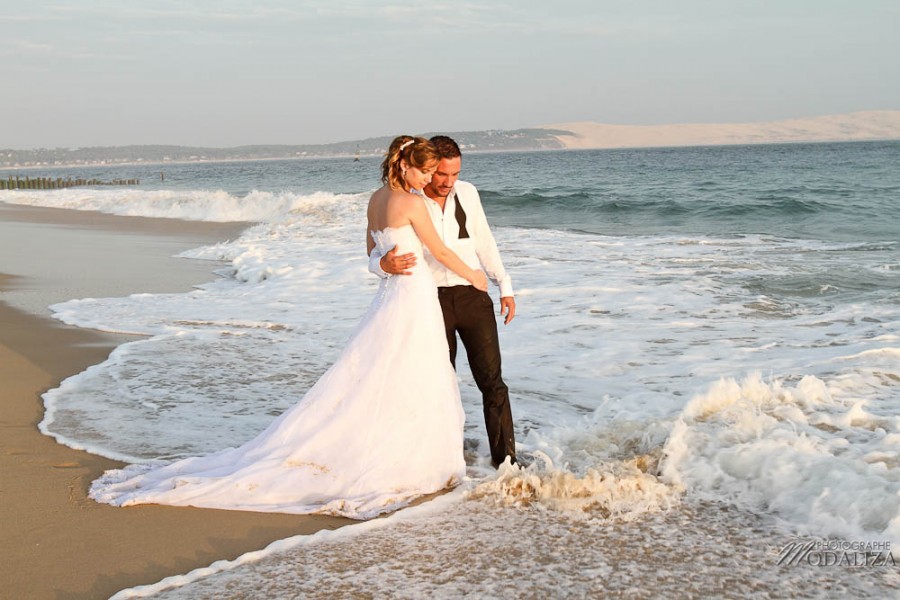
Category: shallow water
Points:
column 697, row 327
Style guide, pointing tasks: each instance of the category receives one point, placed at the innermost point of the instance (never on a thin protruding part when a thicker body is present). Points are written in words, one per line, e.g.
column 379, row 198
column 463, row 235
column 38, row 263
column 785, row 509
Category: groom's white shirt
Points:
column 478, row 251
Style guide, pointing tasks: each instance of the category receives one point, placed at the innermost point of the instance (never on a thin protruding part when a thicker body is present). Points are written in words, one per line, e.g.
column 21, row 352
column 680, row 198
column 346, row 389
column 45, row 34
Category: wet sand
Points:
column 54, row 541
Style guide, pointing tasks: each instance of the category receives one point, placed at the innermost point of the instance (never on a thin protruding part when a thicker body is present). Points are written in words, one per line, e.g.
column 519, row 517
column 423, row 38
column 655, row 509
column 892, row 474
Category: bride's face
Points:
column 417, row 178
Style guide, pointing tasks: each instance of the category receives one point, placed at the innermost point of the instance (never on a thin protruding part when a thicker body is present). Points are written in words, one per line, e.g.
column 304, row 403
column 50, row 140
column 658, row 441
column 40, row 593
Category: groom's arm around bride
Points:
column 456, row 211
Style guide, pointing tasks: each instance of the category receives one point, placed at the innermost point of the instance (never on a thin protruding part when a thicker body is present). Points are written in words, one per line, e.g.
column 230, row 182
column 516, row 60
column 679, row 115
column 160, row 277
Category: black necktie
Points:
column 461, row 218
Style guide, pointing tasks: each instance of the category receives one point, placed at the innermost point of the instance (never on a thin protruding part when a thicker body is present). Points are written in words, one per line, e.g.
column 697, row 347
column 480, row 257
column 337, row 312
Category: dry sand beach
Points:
column 56, row 542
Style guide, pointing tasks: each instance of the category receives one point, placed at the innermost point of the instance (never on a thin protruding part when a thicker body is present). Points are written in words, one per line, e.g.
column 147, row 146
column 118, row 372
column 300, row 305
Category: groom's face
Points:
column 444, row 177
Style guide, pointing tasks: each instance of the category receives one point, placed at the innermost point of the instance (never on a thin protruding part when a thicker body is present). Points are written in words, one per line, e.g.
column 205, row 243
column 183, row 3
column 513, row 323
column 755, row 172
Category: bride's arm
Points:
column 424, row 228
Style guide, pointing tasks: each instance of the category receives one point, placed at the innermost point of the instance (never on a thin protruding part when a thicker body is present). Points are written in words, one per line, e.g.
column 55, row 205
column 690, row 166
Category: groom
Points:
column 459, row 219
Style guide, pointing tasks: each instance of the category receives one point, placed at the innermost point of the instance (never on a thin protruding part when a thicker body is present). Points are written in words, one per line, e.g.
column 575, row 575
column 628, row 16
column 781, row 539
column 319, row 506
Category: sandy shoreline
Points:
column 54, row 541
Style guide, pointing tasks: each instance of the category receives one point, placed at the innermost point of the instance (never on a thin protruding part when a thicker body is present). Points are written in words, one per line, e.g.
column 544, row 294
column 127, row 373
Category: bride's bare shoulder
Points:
column 386, row 194
column 403, row 197
column 390, row 208
column 380, row 195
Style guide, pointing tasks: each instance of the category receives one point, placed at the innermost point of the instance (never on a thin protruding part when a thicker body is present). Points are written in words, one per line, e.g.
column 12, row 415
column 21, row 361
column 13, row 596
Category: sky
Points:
column 221, row 73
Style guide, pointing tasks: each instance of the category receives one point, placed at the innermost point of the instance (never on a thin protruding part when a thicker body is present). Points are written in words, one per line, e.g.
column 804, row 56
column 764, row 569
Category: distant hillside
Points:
column 858, row 126
column 471, row 141
column 869, row 125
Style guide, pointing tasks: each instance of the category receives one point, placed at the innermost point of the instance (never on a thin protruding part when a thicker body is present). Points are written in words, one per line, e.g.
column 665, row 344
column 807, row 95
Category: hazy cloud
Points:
column 229, row 72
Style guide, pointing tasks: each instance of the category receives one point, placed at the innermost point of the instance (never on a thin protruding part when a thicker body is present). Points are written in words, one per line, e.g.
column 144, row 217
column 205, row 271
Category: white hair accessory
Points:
column 405, row 144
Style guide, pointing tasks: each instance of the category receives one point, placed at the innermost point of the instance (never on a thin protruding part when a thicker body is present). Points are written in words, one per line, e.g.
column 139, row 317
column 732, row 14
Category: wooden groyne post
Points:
column 58, row 183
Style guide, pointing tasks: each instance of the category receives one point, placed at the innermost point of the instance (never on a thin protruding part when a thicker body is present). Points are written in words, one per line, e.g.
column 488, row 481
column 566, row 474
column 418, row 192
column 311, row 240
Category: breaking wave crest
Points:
column 814, row 453
column 191, row 205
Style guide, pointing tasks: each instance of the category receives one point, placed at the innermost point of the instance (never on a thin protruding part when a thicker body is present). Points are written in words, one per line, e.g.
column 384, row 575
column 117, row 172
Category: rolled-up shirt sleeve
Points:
column 375, row 264
column 485, row 245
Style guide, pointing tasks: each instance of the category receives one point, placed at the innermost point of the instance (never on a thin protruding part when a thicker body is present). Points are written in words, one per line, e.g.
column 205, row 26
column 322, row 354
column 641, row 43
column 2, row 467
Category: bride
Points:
column 382, row 426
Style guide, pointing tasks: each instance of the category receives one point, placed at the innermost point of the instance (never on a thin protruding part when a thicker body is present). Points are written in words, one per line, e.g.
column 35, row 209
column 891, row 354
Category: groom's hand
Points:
column 397, row 265
column 508, row 307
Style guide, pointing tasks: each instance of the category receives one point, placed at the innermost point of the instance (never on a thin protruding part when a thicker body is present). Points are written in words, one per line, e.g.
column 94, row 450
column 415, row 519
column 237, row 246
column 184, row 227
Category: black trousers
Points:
column 470, row 313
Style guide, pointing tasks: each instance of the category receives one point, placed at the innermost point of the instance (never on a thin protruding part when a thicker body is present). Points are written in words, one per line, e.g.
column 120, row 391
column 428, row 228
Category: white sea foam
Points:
column 646, row 328
column 814, row 453
column 189, row 205
column 625, row 351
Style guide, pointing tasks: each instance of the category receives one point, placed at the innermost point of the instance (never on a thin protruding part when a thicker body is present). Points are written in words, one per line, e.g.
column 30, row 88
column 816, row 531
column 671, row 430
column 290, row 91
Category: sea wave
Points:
column 612, row 202
column 190, row 205
column 812, row 453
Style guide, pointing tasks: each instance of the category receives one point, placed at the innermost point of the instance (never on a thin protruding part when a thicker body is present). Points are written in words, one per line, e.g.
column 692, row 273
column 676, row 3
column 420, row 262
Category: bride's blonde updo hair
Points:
column 417, row 151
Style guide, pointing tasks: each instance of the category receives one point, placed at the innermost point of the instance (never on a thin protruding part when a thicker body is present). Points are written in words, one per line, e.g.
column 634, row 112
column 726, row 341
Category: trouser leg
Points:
column 473, row 317
column 447, row 299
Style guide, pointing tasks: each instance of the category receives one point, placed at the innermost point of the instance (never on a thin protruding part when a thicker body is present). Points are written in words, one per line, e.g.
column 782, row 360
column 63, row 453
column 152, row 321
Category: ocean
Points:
column 704, row 365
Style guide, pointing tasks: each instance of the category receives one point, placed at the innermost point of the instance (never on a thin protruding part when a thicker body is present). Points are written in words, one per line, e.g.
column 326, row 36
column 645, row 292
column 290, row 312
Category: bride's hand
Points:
column 479, row 280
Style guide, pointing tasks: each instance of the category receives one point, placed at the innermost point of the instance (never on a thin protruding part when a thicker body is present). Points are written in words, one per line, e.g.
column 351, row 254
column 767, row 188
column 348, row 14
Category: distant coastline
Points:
column 471, row 141
column 850, row 127
column 856, row 126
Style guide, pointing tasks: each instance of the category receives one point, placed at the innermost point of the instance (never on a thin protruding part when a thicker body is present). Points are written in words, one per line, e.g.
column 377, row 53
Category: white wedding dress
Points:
column 382, row 426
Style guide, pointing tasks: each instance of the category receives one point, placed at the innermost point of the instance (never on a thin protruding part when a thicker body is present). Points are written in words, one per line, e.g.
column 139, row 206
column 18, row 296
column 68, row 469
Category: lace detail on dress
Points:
column 402, row 236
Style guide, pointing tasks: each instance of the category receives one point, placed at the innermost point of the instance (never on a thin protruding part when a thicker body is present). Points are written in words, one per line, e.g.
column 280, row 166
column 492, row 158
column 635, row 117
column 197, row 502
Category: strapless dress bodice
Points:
column 404, row 238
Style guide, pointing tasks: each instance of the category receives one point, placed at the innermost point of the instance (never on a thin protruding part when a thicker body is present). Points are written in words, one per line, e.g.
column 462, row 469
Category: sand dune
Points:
column 857, row 126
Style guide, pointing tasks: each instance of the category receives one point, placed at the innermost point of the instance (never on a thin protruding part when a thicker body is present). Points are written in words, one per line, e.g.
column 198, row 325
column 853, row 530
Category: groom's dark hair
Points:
column 446, row 147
